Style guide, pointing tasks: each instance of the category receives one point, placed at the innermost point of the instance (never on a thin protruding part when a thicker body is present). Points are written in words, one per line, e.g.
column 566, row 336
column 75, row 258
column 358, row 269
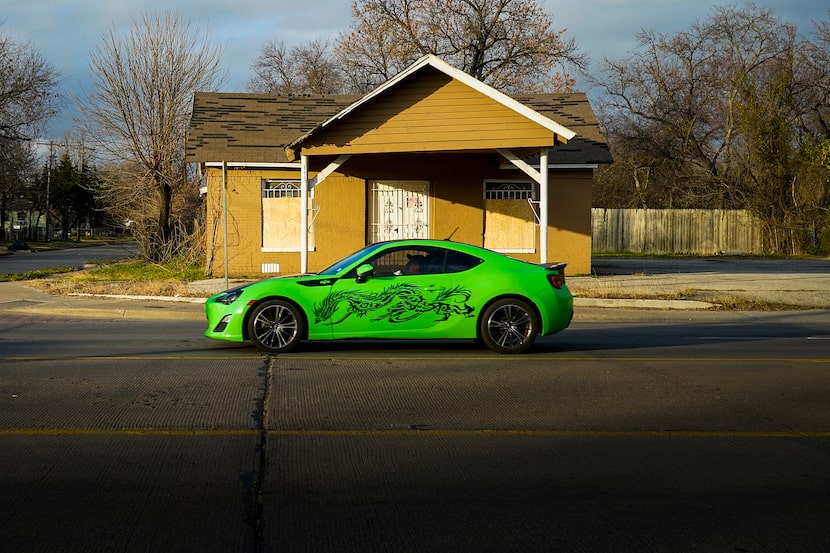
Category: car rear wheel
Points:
column 275, row 326
column 508, row 325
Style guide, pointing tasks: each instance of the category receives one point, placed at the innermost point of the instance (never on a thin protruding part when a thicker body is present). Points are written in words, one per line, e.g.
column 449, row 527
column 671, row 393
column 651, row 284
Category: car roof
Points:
column 431, row 242
column 428, row 242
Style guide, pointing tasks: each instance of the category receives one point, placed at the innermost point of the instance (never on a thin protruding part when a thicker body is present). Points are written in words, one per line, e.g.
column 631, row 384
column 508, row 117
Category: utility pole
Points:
column 51, row 145
column 48, row 186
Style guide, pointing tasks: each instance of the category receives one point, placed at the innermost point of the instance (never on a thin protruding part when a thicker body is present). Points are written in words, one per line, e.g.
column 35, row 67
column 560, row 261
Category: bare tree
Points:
column 28, row 90
column 815, row 73
column 275, row 71
column 305, row 69
column 138, row 114
column 508, row 44
column 318, row 68
column 678, row 104
column 28, row 98
column 721, row 116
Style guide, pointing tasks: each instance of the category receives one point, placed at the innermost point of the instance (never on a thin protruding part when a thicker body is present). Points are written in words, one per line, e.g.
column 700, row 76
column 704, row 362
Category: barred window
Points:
column 508, row 191
column 272, row 188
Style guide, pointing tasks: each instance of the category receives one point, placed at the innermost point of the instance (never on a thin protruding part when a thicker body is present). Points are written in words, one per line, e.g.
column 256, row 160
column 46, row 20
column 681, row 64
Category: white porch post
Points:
column 543, row 206
column 304, row 214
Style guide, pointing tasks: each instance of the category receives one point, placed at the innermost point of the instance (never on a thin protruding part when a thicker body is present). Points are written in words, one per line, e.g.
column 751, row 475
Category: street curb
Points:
column 172, row 299
column 680, row 305
column 148, row 312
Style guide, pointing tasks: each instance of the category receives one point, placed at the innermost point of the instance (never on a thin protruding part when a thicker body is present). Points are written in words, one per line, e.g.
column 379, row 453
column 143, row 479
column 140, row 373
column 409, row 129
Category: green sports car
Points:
column 401, row 289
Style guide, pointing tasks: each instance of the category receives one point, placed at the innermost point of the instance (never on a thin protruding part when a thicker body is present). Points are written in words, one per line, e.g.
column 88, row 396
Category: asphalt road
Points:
column 733, row 265
column 660, row 431
column 74, row 258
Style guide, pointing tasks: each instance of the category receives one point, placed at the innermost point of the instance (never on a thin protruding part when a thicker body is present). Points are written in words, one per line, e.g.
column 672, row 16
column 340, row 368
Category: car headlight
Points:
column 229, row 297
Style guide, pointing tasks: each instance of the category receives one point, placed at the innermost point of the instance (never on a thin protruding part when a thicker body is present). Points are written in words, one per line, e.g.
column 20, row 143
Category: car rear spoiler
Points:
column 557, row 266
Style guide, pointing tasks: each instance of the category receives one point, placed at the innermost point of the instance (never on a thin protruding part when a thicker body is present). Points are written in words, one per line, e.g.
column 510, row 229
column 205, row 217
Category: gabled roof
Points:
column 561, row 133
column 257, row 128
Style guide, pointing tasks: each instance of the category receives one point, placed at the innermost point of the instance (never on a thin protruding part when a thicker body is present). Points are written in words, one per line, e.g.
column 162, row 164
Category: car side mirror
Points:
column 364, row 272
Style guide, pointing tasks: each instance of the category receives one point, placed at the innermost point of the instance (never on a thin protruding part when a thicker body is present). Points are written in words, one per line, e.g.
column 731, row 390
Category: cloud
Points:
column 65, row 32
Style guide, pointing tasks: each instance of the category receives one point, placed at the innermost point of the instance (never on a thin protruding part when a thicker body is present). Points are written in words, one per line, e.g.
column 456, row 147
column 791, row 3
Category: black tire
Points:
column 508, row 325
column 276, row 326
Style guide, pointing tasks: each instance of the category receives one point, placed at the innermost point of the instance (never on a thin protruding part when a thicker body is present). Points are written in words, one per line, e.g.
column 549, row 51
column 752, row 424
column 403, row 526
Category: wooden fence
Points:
column 675, row 231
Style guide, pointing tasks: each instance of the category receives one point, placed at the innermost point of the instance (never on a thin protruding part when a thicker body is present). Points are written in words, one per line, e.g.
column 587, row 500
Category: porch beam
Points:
column 521, row 164
column 330, row 168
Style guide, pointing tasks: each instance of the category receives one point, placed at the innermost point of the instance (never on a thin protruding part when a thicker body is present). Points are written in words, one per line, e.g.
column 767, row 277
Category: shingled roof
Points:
column 574, row 112
column 255, row 128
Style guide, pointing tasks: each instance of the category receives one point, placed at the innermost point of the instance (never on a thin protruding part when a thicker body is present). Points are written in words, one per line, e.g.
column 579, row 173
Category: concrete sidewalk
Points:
column 702, row 282
column 640, row 283
column 17, row 297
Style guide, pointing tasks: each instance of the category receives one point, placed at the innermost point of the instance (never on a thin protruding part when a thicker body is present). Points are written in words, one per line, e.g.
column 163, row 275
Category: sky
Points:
column 65, row 32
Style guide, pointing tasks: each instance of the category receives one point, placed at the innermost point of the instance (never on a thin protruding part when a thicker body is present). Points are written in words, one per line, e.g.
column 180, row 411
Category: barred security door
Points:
column 398, row 209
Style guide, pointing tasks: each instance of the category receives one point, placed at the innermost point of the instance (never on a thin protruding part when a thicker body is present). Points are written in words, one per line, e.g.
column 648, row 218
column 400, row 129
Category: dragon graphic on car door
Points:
column 392, row 306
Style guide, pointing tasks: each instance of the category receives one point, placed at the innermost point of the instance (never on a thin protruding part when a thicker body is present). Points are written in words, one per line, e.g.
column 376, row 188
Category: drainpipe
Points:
column 303, row 214
column 543, row 206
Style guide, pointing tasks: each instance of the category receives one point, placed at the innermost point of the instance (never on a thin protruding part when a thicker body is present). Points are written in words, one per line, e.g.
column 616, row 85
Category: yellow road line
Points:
column 409, row 359
column 129, row 358
column 558, row 433
column 424, row 433
column 122, row 432
column 531, row 360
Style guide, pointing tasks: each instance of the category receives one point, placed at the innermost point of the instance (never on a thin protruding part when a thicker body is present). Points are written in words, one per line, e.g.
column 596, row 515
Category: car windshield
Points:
column 347, row 262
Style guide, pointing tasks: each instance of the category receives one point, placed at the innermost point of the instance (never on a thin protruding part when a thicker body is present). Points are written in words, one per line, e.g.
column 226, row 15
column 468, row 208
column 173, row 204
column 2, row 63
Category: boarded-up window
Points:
column 281, row 209
column 509, row 218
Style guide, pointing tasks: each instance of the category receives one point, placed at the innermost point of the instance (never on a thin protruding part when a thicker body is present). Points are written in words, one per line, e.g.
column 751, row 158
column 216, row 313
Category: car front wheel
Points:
column 508, row 325
column 275, row 326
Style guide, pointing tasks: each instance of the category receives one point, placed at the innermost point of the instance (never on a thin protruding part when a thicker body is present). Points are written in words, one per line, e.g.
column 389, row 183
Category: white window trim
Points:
column 286, row 250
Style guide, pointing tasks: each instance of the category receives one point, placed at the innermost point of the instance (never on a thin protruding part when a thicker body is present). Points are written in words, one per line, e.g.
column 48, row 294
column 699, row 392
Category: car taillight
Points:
column 557, row 280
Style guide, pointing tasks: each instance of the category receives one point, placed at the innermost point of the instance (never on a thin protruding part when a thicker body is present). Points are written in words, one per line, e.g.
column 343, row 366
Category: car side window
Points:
column 422, row 261
column 456, row 262
column 402, row 261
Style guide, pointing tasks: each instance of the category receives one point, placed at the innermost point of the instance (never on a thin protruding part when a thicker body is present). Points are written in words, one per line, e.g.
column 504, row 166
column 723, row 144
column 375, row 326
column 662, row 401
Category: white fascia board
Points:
column 555, row 166
column 256, row 165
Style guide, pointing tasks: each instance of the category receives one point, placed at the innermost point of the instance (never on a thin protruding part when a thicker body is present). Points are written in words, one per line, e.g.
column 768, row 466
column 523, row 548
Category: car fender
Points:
column 249, row 308
column 492, row 300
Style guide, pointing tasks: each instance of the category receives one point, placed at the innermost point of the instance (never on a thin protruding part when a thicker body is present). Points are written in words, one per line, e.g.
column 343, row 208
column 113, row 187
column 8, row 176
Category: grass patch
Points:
column 36, row 274
column 130, row 277
column 729, row 302
column 137, row 270
column 736, row 303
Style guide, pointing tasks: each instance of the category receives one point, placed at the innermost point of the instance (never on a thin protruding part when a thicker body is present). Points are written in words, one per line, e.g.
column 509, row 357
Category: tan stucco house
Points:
column 297, row 182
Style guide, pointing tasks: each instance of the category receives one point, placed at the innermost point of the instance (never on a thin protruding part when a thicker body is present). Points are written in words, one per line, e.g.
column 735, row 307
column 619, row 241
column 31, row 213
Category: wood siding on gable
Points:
column 432, row 113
